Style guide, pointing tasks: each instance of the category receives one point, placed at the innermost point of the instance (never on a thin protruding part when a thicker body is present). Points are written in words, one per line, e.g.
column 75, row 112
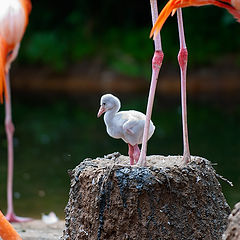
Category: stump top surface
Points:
column 157, row 161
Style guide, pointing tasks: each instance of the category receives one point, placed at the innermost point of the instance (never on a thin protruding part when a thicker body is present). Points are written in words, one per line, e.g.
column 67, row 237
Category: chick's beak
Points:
column 101, row 110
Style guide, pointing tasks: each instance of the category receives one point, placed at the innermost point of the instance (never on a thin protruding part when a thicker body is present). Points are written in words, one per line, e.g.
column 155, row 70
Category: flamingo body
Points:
column 233, row 6
column 13, row 22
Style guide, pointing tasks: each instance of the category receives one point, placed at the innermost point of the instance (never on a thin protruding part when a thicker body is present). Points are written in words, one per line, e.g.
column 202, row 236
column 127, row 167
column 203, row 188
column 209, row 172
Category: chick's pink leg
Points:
column 156, row 65
column 136, row 153
column 130, row 153
column 182, row 59
column 9, row 127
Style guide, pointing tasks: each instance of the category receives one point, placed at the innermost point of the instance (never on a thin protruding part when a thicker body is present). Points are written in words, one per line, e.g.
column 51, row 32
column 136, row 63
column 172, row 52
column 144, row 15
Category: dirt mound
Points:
column 233, row 229
column 109, row 199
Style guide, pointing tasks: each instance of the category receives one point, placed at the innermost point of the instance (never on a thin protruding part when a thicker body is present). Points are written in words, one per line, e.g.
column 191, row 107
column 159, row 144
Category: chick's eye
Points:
column 104, row 104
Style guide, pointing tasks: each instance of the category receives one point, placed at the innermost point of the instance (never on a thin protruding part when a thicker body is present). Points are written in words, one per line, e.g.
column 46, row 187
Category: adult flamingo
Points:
column 13, row 22
column 233, row 6
column 156, row 65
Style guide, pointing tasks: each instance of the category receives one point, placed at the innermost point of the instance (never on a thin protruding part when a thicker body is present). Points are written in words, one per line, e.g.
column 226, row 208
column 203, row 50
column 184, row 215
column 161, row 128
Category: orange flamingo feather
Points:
column 172, row 5
column 27, row 5
column 2, row 67
column 7, row 232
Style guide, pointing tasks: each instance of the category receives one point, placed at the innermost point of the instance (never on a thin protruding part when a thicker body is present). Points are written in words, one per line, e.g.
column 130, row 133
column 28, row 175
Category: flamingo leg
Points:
column 130, row 153
column 182, row 60
column 156, row 65
column 9, row 127
column 136, row 153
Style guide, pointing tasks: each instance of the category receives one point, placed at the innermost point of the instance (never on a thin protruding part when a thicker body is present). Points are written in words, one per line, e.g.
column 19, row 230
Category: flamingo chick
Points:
column 127, row 125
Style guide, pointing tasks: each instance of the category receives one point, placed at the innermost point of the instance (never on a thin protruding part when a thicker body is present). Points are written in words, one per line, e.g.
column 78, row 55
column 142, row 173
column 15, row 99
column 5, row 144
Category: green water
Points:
column 54, row 135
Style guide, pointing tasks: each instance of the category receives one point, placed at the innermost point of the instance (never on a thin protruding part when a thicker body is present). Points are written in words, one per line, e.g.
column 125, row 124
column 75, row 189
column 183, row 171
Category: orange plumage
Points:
column 14, row 20
column 27, row 7
column 172, row 5
column 7, row 232
column 3, row 54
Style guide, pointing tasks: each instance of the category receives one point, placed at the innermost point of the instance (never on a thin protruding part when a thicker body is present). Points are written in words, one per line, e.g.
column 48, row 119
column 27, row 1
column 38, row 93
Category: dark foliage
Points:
column 117, row 33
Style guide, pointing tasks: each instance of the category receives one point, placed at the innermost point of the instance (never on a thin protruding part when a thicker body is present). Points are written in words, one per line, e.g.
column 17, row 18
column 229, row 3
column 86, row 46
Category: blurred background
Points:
column 73, row 53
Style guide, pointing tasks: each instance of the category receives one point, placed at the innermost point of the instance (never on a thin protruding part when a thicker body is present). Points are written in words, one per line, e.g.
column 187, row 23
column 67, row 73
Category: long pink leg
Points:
column 9, row 127
column 130, row 153
column 156, row 65
column 136, row 153
column 182, row 60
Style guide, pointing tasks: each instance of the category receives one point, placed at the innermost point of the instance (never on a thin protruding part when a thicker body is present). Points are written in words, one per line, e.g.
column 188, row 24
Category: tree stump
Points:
column 233, row 229
column 109, row 199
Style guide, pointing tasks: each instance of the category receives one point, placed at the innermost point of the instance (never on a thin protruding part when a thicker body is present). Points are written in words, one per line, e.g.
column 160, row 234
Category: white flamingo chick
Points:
column 127, row 125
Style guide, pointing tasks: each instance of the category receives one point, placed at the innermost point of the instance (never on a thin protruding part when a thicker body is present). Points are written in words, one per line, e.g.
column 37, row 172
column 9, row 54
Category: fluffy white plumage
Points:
column 127, row 125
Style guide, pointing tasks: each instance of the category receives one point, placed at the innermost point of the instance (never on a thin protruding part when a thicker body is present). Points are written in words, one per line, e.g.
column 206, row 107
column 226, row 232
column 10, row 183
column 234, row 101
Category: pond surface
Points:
column 54, row 135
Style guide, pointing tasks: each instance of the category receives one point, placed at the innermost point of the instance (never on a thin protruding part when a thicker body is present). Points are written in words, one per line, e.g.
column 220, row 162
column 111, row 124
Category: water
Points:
column 54, row 135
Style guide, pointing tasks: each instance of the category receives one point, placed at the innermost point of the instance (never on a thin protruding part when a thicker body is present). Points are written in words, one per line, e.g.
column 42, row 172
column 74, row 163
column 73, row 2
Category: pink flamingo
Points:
column 13, row 22
column 156, row 65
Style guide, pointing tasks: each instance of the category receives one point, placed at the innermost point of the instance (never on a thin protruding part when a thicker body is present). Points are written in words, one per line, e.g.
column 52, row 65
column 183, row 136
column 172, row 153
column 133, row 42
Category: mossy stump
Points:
column 109, row 199
column 233, row 229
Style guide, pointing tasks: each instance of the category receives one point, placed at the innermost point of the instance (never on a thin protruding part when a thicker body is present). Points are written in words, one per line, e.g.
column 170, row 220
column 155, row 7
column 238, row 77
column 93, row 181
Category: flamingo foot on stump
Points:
column 156, row 65
column 182, row 60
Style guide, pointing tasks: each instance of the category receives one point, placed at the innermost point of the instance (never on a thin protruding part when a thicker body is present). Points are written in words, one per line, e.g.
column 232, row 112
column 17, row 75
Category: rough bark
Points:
column 233, row 229
column 109, row 199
